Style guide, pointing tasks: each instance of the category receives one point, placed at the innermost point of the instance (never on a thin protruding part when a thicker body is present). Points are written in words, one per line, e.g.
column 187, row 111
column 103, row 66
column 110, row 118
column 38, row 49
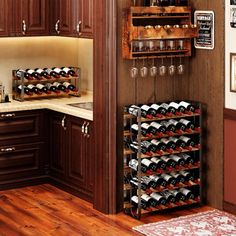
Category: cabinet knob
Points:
column 57, row 27
column 24, row 27
column 10, row 149
column 87, row 130
column 9, row 115
column 83, row 128
column 78, row 28
column 63, row 122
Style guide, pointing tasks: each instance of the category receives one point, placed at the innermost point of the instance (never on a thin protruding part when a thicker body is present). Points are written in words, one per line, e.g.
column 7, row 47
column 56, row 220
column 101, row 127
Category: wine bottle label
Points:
column 185, row 156
column 134, row 199
column 133, row 164
column 165, row 140
column 155, row 142
column 146, row 162
column 57, row 70
column 30, row 71
column 174, row 122
column 146, row 180
column 145, row 126
column 145, row 107
column 166, row 177
column 175, row 105
column 133, row 110
column 175, row 175
column 164, row 105
column 146, row 144
column 173, row 139
column 66, row 84
column 155, row 106
column 184, row 104
column 175, row 158
column 39, row 70
column 134, row 182
column 56, row 84
column 155, row 177
column 185, row 122
column 48, row 70
column 156, row 125
column 40, row 86
column 30, row 86
column 184, row 173
column 66, row 69
column 156, row 160
column 167, row 194
column 185, row 191
column 165, row 158
column 146, row 197
column 156, row 196
column 134, row 127
column 185, row 139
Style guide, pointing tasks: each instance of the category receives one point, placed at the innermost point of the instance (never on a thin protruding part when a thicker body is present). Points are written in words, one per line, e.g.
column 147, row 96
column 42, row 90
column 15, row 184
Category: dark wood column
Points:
column 105, row 105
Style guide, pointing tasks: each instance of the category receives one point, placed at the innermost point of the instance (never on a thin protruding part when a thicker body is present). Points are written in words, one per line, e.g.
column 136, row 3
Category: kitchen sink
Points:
column 83, row 105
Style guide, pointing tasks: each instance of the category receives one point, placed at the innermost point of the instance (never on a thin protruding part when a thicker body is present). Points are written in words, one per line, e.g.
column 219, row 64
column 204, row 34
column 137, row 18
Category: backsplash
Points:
column 31, row 52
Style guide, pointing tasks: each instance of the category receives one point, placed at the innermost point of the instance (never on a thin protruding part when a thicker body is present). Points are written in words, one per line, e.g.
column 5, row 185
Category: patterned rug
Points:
column 209, row 223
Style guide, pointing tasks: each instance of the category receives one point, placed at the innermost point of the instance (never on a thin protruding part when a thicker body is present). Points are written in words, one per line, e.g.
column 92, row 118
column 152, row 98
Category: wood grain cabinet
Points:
column 71, row 157
column 23, row 156
column 31, row 17
column 6, row 18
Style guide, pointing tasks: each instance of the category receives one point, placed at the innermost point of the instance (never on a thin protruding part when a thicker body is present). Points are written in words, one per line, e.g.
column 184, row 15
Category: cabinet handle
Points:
column 11, row 149
column 63, row 123
column 24, row 27
column 78, row 28
column 57, row 26
column 83, row 127
column 9, row 115
column 87, row 130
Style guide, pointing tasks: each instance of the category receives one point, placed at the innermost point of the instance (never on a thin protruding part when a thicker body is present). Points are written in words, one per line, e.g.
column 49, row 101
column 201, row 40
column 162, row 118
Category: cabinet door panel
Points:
column 32, row 17
column 6, row 18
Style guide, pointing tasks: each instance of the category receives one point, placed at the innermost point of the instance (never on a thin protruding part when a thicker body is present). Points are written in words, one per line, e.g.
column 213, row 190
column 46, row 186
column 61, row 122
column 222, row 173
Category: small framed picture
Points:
column 233, row 72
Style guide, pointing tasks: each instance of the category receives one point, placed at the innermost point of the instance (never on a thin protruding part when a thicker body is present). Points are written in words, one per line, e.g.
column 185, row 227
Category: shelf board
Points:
column 160, row 52
column 160, row 17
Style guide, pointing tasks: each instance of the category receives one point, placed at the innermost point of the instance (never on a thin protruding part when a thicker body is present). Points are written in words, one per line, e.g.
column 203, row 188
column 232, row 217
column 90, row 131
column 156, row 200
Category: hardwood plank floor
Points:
column 46, row 210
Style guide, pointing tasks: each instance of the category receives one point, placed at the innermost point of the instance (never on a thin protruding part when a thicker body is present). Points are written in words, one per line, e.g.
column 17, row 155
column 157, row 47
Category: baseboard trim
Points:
column 229, row 114
column 229, row 207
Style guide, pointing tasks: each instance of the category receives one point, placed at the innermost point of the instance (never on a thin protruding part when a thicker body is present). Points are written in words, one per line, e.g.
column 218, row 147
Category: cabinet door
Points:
column 80, row 166
column 57, row 146
column 6, row 18
column 31, row 17
column 84, row 15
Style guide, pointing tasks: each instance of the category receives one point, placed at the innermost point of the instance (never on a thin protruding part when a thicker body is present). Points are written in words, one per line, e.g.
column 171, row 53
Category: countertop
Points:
column 54, row 104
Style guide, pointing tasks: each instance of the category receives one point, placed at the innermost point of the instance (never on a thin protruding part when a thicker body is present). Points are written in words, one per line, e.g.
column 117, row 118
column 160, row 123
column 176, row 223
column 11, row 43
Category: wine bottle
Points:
column 159, row 199
column 134, row 182
column 170, row 128
column 133, row 164
column 52, row 73
column 187, row 193
column 26, row 90
column 60, row 72
column 135, row 148
column 189, row 108
column 170, row 163
column 160, row 182
column 33, row 74
column 158, row 129
column 178, row 107
column 70, row 86
column 160, row 111
column 27, row 76
column 189, row 160
column 178, row 195
column 43, row 89
column 151, row 166
column 150, row 183
column 187, row 175
column 179, row 160
column 170, row 109
column 161, row 165
column 42, row 73
column 69, row 71
column 179, row 127
column 133, row 110
column 171, row 181
column 147, row 130
column 188, row 124
column 52, row 88
column 134, row 202
column 189, row 143
column 180, row 179
column 180, row 144
column 148, row 112
column 34, row 89
column 159, row 146
column 149, row 147
column 150, row 202
column 60, row 87
column 170, row 145
column 170, row 198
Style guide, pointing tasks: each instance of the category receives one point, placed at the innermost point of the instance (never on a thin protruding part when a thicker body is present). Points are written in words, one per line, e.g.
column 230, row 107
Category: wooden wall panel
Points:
column 203, row 81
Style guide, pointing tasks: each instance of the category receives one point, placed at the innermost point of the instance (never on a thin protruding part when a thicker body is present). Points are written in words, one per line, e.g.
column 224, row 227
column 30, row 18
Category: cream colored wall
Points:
column 34, row 52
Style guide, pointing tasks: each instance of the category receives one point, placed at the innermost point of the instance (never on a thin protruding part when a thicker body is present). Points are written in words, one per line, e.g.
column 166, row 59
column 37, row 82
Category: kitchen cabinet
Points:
column 71, row 164
column 31, row 17
column 6, row 18
column 23, row 156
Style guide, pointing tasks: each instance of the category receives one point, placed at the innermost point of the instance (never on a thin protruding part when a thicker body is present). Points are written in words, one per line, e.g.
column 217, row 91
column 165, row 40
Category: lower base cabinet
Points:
column 71, row 157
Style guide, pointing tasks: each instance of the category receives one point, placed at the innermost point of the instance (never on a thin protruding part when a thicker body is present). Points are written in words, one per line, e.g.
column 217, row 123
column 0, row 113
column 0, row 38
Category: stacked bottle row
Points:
column 161, row 3
column 161, row 155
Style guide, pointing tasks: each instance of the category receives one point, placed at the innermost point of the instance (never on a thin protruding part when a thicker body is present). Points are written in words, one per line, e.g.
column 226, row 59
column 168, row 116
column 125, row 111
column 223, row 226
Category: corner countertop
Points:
column 54, row 104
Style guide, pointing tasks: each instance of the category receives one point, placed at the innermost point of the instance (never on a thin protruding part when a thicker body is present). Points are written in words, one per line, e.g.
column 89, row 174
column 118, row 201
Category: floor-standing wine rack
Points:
column 194, row 168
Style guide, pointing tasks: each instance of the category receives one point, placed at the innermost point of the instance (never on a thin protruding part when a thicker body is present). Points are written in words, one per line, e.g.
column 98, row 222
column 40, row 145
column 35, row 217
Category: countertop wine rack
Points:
column 155, row 25
column 196, row 168
column 74, row 80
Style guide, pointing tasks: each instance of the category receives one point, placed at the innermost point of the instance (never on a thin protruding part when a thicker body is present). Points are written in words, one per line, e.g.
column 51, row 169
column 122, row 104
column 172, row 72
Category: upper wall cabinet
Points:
column 84, row 13
column 31, row 17
column 6, row 21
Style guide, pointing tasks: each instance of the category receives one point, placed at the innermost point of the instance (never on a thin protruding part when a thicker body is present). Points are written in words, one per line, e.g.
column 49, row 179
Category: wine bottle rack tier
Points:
column 193, row 168
column 150, row 25
column 74, row 80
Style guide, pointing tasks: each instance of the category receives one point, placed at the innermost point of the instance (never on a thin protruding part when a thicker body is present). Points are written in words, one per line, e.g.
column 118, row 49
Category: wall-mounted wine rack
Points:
column 157, row 32
column 192, row 166
column 20, row 80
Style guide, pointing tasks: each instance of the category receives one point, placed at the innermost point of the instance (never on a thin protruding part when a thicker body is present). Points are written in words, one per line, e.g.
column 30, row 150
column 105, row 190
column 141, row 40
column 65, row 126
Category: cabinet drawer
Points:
column 21, row 127
column 21, row 161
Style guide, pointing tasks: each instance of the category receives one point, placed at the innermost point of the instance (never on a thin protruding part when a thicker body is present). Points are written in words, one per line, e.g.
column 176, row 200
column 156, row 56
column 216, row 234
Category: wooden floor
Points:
column 45, row 210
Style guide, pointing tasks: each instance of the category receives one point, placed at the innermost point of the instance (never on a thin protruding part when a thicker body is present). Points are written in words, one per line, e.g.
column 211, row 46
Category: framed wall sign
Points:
column 233, row 72
column 205, row 22
column 233, row 13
